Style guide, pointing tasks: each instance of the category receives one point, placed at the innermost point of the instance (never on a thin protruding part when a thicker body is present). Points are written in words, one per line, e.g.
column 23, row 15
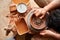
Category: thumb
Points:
column 42, row 33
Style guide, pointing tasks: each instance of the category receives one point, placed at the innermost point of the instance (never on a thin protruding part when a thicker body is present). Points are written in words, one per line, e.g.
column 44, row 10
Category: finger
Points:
column 42, row 33
column 48, row 13
column 33, row 10
column 41, row 17
column 36, row 13
column 39, row 11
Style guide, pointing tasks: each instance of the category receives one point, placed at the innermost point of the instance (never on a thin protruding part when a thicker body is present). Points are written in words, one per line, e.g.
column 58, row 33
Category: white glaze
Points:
column 21, row 8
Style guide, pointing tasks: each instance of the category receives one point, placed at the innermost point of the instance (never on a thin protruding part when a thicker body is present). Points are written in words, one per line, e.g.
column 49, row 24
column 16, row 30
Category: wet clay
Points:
column 37, row 23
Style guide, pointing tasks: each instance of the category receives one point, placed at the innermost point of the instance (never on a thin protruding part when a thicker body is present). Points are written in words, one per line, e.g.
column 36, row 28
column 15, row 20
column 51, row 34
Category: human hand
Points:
column 47, row 33
column 41, row 12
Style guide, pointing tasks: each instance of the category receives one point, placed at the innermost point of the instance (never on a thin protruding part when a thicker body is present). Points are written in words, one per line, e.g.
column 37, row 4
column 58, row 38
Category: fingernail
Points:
column 41, row 33
column 40, row 17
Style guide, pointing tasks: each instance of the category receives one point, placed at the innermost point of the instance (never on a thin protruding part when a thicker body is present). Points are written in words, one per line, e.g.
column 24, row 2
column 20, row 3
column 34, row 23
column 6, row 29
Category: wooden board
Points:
column 21, row 27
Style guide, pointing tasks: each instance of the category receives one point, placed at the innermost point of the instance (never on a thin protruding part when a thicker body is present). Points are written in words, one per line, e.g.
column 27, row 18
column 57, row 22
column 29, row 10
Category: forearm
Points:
column 52, row 5
column 56, row 36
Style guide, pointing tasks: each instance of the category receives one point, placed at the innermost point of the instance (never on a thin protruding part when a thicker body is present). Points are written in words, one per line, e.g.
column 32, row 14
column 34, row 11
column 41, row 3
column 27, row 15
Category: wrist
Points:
column 56, row 35
column 46, row 9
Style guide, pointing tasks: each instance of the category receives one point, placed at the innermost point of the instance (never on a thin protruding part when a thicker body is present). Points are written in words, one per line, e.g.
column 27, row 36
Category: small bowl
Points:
column 30, row 21
column 36, row 23
column 21, row 8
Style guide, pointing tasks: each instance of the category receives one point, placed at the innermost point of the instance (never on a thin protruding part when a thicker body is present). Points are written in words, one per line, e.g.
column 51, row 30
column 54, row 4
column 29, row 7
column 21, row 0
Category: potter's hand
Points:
column 40, row 12
column 47, row 33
